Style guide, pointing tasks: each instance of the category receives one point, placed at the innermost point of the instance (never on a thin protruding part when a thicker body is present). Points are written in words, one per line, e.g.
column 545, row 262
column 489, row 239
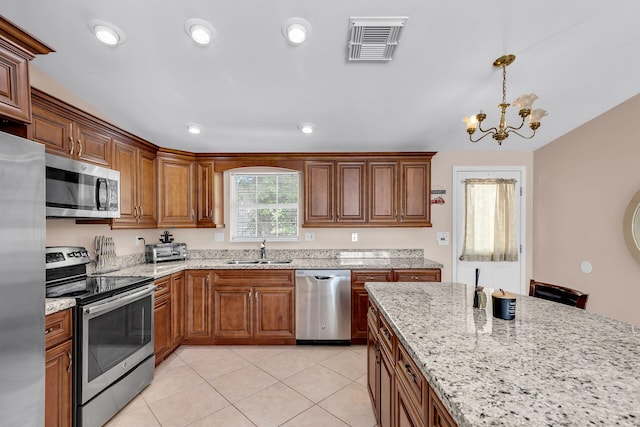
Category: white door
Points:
column 497, row 275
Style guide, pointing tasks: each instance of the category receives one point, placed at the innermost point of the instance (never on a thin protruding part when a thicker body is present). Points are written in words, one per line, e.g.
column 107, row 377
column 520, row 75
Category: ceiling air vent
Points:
column 374, row 38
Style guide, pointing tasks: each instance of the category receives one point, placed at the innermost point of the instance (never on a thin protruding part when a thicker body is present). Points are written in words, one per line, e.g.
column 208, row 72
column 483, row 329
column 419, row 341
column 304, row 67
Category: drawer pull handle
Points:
column 410, row 374
column 70, row 361
column 49, row 330
column 386, row 332
column 160, row 287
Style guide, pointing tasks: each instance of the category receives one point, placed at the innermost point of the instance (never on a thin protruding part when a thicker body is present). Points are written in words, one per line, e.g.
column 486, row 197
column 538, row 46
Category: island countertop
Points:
column 552, row 365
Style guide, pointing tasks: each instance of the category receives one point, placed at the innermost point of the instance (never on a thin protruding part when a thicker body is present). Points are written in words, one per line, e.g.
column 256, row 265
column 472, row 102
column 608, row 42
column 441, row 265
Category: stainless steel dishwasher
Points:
column 323, row 306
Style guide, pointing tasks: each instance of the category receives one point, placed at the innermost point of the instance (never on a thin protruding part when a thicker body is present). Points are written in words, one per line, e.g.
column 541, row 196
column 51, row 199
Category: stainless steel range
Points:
column 113, row 333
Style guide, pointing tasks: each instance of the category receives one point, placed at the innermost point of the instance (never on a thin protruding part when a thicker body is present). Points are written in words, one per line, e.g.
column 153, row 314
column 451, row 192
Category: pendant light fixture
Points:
column 524, row 103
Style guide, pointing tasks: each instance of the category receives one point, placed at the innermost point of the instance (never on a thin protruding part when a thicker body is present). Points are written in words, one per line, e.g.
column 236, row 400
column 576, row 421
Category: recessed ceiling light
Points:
column 306, row 127
column 194, row 128
column 296, row 30
column 106, row 32
column 200, row 31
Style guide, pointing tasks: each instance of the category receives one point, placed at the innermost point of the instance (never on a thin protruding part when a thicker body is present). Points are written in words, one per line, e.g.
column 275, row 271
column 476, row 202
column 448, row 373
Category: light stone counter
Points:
column 166, row 268
column 53, row 305
column 554, row 365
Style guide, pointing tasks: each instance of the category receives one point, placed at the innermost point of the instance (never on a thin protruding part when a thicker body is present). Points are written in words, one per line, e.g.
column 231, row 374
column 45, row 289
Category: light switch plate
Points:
column 443, row 238
column 354, row 237
column 309, row 237
column 219, row 237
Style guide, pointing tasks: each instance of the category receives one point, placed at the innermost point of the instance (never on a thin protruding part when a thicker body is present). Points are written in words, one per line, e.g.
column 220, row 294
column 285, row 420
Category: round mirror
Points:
column 631, row 226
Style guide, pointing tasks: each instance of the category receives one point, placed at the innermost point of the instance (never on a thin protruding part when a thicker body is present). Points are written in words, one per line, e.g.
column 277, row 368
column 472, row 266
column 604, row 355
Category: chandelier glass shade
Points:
column 524, row 104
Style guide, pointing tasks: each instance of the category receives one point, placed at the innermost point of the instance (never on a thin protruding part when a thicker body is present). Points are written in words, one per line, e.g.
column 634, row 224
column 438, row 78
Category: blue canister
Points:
column 504, row 305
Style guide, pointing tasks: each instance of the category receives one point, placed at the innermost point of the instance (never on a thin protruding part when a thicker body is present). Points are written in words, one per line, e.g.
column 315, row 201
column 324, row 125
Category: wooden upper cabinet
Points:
column 372, row 191
column 319, row 178
column 351, row 192
column 415, row 192
column 209, row 194
column 17, row 48
column 176, row 190
column 137, row 168
column 383, row 191
column 68, row 132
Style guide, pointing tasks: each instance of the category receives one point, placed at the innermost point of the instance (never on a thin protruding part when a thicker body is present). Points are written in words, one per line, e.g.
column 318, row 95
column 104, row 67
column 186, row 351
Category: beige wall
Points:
column 582, row 186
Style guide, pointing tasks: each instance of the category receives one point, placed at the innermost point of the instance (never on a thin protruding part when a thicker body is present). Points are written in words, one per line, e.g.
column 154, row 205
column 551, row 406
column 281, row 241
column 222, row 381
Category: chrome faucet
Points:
column 263, row 249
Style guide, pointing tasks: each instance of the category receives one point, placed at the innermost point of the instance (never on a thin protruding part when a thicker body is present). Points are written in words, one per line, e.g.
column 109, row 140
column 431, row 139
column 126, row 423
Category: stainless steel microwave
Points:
column 80, row 190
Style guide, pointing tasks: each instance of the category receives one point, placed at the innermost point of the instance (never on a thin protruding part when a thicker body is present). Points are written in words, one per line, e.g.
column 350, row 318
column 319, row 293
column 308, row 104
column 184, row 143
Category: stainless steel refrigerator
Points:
column 22, row 288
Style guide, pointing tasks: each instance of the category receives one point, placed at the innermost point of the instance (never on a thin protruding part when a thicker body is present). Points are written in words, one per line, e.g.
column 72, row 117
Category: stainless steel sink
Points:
column 258, row 261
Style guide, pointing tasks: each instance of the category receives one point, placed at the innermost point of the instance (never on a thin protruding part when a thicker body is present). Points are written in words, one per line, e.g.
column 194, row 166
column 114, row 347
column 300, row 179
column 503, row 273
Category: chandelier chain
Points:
column 504, row 84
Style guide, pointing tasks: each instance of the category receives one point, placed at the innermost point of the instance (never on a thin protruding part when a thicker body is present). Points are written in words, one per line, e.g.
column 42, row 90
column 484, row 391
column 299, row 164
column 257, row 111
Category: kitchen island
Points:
column 551, row 365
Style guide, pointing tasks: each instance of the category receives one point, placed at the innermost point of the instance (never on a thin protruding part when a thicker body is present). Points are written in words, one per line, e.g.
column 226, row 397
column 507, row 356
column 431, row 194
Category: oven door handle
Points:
column 120, row 301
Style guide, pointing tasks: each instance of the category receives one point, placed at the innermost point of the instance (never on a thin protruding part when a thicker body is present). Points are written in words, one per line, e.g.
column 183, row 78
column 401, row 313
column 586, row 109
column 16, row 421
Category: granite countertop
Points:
column 552, row 365
column 53, row 305
column 166, row 268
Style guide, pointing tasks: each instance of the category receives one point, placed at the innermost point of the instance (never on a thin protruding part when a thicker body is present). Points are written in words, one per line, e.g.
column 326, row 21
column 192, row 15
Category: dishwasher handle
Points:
column 324, row 277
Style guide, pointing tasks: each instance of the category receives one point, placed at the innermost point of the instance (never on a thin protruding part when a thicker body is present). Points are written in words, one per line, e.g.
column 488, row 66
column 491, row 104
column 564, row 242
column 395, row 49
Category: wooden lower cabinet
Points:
column 254, row 307
column 406, row 414
column 162, row 319
column 58, row 373
column 177, row 309
column 400, row 395
column 198, row 307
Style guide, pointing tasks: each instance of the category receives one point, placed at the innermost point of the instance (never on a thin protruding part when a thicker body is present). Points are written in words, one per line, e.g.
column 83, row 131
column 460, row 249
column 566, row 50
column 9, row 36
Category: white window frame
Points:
column 233, row 207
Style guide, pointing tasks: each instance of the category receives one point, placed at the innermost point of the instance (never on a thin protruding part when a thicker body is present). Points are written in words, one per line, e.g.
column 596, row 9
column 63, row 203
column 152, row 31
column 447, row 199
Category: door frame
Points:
column 523, row 217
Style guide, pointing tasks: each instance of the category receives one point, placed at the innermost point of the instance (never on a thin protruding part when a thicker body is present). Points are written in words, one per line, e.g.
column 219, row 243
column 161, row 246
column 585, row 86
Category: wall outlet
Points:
column 139, row 240
column 354, row 237
column 219, row 237
column 443, row 238
column 309, row 237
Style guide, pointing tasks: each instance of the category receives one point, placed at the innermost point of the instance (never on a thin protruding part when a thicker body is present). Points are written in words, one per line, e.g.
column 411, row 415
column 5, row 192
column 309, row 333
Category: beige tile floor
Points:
column 247, row 386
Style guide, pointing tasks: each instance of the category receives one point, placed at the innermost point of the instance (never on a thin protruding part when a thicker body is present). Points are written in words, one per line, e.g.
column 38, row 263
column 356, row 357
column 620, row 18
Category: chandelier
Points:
column 524, row 103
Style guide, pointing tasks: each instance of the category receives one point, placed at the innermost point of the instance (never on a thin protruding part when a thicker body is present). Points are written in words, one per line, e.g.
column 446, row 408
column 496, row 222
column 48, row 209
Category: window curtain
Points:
column 490, row 220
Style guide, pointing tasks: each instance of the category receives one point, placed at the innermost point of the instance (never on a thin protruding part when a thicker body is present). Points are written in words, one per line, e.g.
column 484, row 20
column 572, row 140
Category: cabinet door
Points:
column 415, row 203
column 205, row 193
column 53, row 130
column 162, row 325
column 351, row 192
column 417, row 275
column 124, row 161
column 405, row 414
column 198, row 305
column 15, row 99
column 319, row 178
column 275, row 313
column 146, row 189
column 373, row 371
column 177, row 309
column 383, row 190
column 58, row 379
column 92, row 144
column 386, row 391
column 438, row 414
column 176, row 192
column 232, row 312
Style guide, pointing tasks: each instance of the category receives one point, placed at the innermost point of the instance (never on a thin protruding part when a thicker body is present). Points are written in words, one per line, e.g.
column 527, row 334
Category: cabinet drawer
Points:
column 361, row 277
column 387, row 337
column 253, row 277
column 412, row 378
column 438, row 414
column 163, row 287
column 57, row 328
column 422, row 275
